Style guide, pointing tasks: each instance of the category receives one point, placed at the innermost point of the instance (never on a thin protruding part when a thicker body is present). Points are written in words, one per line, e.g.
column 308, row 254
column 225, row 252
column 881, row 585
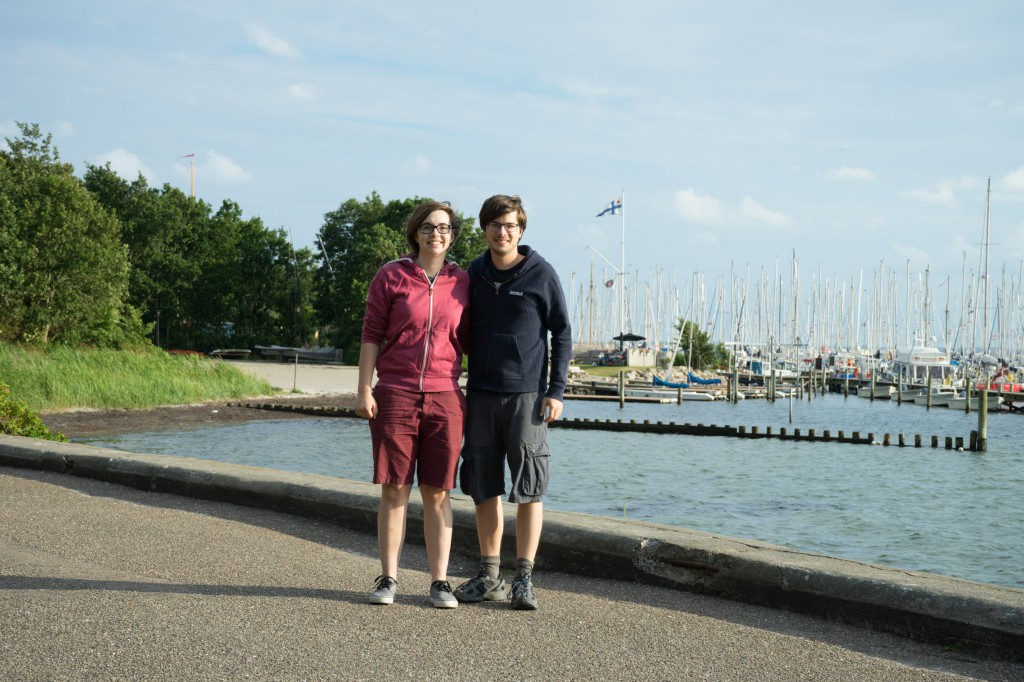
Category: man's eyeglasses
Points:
column 443, row 228
column 498, row 227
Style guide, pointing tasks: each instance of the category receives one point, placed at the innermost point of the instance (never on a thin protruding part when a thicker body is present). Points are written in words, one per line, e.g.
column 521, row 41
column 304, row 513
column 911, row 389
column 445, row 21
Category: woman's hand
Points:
column 366, row 404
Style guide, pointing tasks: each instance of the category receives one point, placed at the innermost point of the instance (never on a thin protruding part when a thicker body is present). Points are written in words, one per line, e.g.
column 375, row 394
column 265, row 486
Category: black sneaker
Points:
column 384, row 593
column 523, row 598
column 481, row 588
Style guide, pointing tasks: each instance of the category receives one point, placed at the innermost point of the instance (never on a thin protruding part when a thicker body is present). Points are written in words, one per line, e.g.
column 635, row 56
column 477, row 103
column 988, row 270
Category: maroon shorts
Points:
column 417, row 434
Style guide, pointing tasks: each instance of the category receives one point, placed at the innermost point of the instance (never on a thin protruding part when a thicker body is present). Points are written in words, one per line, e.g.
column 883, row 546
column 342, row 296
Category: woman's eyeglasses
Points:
column 443, row 228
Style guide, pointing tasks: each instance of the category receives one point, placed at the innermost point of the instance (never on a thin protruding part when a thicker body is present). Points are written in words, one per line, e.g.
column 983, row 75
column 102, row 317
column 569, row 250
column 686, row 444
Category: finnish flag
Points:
column 611, row 208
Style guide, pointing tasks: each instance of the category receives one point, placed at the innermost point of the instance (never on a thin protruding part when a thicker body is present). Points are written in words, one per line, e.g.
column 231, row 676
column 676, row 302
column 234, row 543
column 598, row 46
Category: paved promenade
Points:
column 100, row 581
column 122, row 566
column 311, row 379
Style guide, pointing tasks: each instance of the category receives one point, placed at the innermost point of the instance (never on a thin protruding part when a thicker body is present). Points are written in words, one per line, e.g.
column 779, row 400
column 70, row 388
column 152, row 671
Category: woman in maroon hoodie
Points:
column 414, row 332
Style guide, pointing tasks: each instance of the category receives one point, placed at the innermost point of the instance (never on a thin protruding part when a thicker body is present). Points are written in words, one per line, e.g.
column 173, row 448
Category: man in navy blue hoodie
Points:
column 516, row 303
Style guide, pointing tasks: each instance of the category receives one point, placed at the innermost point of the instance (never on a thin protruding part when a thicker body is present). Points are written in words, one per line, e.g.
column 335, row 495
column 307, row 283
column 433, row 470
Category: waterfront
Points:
column 948, row 512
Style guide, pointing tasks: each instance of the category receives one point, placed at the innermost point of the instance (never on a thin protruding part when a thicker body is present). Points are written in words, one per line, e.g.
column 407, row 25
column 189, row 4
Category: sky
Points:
column 853, row 137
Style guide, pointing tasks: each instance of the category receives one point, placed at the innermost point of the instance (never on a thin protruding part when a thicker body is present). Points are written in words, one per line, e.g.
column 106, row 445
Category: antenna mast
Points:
column 192, row 171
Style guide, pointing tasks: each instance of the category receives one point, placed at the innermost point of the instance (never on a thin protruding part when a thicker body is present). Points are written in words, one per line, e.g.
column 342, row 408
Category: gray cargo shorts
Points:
column 500, row 427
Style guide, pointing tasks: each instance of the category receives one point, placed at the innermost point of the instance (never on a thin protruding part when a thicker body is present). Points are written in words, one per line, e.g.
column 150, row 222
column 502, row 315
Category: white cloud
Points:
column 1014, row 181
column 751, row 209
column 421, row 164
column 917, row 257
column 845, row 173
column 703, row 239
column 64, row 129
column 943, row 194
column 588, row 237
column 269, row 43
column 220, row 168
column 9, row 129
column 126, row 165
column 696, row 208
column 301, row 91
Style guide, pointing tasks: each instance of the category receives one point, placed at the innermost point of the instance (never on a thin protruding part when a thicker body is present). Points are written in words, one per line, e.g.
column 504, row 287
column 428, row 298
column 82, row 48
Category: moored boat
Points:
column 961, row 401
column 921, row 365
column 231, row 353
column 938, row 397
column 877, row 392
column 671, row 395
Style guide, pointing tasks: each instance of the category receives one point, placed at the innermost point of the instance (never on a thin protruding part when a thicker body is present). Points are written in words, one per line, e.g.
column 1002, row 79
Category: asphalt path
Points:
column 313, row 379
column 100, row 581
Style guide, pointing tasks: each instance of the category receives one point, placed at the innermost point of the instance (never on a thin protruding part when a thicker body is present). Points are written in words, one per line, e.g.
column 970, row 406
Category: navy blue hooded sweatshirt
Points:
column 509, row 326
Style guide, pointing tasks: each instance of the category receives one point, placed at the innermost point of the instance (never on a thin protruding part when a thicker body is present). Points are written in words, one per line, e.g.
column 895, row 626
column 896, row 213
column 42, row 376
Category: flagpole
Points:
column 622, row 274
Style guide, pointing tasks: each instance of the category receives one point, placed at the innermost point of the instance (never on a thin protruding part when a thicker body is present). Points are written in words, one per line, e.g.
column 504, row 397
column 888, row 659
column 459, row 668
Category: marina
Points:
column 944, row 511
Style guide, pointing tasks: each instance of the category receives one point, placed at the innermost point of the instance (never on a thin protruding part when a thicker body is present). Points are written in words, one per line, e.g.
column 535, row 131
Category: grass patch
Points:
column 602, row 371
column 18, row 419
column 58, row 378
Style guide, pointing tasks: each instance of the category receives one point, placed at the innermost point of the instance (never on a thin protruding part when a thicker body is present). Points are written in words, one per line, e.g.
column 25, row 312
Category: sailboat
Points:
column 988, row 372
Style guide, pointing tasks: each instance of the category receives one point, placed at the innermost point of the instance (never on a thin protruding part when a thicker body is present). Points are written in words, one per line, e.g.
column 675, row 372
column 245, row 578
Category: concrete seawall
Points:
column 920, row 606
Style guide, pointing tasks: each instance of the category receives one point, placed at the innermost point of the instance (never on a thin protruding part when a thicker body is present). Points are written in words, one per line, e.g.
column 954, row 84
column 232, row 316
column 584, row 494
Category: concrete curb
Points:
column 984, row 618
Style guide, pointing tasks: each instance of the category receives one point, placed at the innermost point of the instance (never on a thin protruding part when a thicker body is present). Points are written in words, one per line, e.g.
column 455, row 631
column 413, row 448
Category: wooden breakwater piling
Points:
column 658, row 427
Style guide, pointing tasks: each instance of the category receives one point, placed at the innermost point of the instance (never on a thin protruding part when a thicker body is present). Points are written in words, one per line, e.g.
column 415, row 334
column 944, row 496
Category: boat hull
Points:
column 939, row 397
column 994, row 404
column 876, row 393
column 697, row 396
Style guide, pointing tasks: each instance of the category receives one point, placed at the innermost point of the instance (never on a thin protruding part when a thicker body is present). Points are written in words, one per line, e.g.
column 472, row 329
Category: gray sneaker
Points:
column 481, row 588
column 522, row 593
column 441, row 595
column 385, row 591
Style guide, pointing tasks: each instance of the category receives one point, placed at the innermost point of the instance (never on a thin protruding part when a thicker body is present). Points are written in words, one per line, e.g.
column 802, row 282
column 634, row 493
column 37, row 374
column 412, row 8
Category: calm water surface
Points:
column 936, row 510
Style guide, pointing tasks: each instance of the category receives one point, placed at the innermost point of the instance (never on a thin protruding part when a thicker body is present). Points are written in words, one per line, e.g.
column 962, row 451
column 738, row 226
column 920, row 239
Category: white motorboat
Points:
column 938, row 397
column 960, row 402
column 878, row 392
column 669, row 395
column 919, row 364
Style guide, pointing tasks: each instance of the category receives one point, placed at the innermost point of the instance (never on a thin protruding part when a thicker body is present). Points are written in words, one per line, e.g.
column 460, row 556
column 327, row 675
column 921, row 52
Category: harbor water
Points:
column 950, row 512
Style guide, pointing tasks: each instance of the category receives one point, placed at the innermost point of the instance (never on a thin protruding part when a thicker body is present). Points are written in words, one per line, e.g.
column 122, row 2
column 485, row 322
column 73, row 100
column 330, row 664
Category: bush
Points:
column 18, row 419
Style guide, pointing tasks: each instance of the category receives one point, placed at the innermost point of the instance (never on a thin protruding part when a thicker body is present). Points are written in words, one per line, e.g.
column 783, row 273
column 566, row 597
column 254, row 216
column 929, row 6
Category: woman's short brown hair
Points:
column 419, row 216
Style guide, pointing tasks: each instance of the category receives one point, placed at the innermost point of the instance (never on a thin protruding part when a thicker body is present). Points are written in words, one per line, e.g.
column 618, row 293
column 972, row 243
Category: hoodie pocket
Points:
column 505, row 359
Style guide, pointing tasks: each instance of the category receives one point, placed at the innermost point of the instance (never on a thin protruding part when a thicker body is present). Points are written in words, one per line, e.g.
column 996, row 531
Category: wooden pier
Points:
column 646, row 426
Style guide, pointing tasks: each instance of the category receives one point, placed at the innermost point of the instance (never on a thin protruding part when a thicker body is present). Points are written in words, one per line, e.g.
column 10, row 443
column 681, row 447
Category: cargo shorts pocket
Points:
column 534, row 479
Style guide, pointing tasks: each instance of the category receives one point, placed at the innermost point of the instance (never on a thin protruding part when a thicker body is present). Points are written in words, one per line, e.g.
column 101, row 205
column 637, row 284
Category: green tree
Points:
column 65, row 270
column 696, row 347
column 157, row 231
column 355, row 241
column 267, row 289
column 207, row 280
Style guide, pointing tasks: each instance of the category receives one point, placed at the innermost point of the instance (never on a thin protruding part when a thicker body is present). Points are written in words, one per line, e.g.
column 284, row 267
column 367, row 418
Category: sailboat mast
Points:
column 590, row 334
column 984, row 270
column 945, row 342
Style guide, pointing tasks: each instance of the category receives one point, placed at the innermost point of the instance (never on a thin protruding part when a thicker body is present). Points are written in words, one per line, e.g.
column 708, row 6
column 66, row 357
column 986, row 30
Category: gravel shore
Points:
column 307, row 385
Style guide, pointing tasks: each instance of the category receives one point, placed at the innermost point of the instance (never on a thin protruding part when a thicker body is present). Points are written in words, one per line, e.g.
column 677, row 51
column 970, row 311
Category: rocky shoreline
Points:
column 84, row 423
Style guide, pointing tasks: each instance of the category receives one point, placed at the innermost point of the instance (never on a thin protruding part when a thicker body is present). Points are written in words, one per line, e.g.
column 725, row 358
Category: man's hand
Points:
column 550, row 409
